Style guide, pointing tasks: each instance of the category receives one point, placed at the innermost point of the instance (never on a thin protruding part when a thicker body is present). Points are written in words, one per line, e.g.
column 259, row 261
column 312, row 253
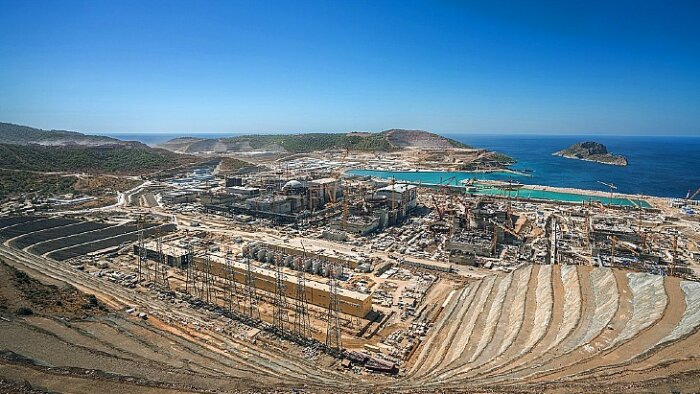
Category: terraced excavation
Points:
column 563, row 325
column 540, row 327
column 175, row 349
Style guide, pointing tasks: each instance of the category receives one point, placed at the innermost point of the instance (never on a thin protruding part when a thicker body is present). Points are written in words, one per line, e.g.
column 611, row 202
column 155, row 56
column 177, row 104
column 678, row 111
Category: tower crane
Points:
column 612, row 187
column 337, row 174
column 439, row 208
column 467, row 214
column 613, row 242
column 639, row 211
column 444, row 189
column 692, row 196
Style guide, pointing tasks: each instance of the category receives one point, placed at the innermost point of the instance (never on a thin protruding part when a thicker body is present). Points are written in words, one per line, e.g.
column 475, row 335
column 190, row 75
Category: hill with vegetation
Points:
column 385, row 141
column 20, row 182
column 592, row 151
column 25, row 135
column 112, row 159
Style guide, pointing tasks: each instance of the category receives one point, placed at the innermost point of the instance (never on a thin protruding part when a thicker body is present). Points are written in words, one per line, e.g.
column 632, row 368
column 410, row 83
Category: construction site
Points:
column 294, row 274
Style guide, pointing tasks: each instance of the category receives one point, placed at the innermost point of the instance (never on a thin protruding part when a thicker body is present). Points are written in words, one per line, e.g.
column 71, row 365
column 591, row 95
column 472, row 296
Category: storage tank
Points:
column 289, row 261
column 316, row 267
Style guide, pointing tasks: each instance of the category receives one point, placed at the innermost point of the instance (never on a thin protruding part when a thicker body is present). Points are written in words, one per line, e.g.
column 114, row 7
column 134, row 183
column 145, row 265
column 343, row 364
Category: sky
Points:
column 560, row 67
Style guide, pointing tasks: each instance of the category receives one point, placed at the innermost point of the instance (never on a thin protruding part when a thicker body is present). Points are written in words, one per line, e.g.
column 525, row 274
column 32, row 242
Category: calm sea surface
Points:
column 661, row 166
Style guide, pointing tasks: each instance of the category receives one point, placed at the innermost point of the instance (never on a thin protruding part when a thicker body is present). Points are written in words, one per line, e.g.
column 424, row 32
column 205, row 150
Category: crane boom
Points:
column 610, row 185
column 506, row 229
column 694, row 194
column 438, row 208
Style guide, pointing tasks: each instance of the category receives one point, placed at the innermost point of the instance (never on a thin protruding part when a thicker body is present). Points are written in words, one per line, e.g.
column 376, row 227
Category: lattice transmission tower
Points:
column 302, row 324
column 250, row 292
column 207, row 279
column 190, row 267
column 333, row 337
column 143, row 272
column 280, row 318
column 230, row 285
column 160, row 267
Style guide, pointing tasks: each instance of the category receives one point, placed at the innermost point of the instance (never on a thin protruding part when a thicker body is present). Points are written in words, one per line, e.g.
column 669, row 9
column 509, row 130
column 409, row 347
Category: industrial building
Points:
column 350, row 302
column 463, row 246
column 402, row 195
column 325, row 190
column 243, row 191
column 317, row 293
column 173, row 256
column 270, row 204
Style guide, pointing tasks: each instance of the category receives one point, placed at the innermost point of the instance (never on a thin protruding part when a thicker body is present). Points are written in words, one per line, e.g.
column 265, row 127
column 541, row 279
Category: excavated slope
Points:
column 562, row 325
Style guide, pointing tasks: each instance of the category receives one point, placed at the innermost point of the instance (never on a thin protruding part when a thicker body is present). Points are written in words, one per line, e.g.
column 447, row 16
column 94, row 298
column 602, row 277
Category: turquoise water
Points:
column 435, row 177
column 658, row 166
column 454, row 178
column 560, row 196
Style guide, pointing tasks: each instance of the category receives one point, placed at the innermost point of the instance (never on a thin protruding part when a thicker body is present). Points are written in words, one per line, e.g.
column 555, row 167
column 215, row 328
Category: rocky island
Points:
column 592, row 151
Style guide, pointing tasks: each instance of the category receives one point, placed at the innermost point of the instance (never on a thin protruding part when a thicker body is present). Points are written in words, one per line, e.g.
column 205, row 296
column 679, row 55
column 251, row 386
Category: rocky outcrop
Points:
column 592, row 151
column 419, row 139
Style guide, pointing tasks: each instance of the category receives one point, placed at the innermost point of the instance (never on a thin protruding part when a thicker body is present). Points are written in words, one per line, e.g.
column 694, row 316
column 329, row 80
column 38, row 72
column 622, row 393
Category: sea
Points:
column 666, row 166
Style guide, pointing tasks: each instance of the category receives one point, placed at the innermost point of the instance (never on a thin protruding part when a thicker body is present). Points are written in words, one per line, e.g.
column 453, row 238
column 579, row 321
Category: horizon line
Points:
column 442, row 133
column 475, row 133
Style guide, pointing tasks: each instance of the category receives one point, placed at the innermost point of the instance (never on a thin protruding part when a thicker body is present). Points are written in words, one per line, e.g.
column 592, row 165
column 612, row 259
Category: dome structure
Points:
column 293, row 184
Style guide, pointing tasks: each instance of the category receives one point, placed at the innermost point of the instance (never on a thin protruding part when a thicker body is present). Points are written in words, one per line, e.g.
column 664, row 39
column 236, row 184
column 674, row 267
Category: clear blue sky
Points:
column 617, row 67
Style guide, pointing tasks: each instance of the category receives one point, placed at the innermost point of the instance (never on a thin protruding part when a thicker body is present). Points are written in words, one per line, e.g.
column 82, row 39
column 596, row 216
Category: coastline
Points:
column 555, row 189
column 490, row 171
column 589, row 192
column 558, row 154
